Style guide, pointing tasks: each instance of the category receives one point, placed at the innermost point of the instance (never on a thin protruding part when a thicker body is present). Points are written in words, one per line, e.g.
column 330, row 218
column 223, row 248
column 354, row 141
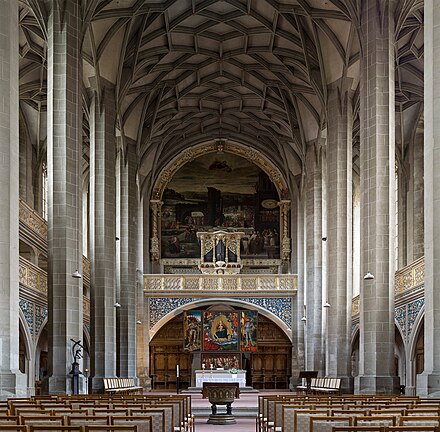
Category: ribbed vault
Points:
column 252, row 71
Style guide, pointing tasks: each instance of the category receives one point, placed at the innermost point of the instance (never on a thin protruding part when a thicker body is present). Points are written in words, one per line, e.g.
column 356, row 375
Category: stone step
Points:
column 199, row 390
column 237, row 412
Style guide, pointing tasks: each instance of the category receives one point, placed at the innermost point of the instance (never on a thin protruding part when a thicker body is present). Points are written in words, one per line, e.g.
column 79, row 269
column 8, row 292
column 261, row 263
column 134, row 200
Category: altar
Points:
column 217, row 376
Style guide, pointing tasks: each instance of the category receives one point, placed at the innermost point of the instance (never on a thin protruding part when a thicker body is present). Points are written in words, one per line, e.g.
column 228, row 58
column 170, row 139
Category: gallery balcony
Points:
column 409, row 284
column 221, row 285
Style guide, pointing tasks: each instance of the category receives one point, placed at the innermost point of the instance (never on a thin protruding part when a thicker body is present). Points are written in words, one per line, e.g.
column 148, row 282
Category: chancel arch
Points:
column 221, row 184
column 205, row 303
column 267, row 365
column 219, row 147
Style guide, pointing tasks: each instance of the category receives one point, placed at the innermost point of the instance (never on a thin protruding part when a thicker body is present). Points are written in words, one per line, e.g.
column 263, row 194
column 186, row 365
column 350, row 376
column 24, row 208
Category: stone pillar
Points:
column 418, row 197
column 25, row 157
column 314, row 340
column 356, row 251
column 142, row 334
column 12, row 382
column 64, row 162
column 377, row 172
column 428, row 383
column 297, row 267
column 339, row 232
column 127, row 264
column 102, row 236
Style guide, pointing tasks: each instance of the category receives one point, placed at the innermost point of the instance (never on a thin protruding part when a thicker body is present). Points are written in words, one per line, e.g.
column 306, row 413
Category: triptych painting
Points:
column 220, row 331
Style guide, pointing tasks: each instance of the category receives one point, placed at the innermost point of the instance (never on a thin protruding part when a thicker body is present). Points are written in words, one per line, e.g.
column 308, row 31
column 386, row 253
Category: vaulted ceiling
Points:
column 253, row 71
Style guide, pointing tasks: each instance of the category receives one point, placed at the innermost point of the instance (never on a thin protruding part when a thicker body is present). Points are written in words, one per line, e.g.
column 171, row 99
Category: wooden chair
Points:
column 158, row 417
column 52, row 428
column 109, row 412
column 72, row 412
column 14, row 428
column 42, row 420
column 419, row 421
column 9, row 420
column 301, row 422
column 32, row 412
column 375, row 421
column 75, row 420
column 389, row 412
column 111, row 428
column 409, row 428
column 325, row 423
column 143, row 423
column 358, row 429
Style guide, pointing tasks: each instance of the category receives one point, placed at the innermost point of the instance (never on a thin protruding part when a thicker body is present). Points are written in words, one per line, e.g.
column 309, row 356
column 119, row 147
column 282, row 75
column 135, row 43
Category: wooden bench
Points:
column 121, row 386
column 322, row 386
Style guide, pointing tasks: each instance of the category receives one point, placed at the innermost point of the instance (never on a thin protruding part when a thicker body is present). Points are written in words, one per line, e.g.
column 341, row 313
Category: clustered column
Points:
column 127, row 248
column 377, row 172
column 314, row 340
column 339, row 231
column 102, row 233
column 64, row 157
column 429, row 381
column 12, row 382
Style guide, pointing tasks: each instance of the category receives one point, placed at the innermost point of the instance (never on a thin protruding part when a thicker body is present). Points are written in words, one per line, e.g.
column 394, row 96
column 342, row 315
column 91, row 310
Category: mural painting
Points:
column 221, row 191
column 220, row 331
column 192, row 330
column 248, row 327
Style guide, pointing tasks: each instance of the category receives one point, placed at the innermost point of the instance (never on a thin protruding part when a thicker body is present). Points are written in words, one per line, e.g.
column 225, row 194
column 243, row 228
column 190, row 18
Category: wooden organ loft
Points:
column 268, row 368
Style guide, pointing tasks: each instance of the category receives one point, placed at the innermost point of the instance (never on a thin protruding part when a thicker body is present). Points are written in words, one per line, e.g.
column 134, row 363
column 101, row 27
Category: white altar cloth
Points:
column 220, row 376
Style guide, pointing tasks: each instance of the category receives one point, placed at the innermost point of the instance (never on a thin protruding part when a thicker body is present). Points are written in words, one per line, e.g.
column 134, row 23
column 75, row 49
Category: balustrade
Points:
column 240, row 282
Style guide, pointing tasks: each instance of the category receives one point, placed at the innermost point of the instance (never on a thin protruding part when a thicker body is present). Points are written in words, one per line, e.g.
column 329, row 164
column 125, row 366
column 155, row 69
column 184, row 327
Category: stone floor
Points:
column 245, row 408
column 244, row 424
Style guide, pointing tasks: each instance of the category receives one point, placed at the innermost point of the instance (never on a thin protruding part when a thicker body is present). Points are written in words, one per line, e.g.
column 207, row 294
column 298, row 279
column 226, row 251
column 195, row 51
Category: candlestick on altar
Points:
column 177, row 379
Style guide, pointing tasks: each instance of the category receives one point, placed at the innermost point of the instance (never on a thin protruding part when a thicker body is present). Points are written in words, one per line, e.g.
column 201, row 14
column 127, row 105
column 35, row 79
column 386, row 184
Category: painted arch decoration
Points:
column 224, row 186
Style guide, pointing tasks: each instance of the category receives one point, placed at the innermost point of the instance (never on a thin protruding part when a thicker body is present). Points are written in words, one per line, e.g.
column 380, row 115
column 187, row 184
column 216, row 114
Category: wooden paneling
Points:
column 269, row 367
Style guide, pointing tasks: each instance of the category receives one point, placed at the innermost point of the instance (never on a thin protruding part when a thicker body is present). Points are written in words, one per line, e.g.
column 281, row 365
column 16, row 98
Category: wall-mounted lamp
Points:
column 138, row 322
column 76, row 274
column 324, row 239
column 327, row 305
column 117, row 305
column 304, row 319
column 368, row 276
column 117, row 238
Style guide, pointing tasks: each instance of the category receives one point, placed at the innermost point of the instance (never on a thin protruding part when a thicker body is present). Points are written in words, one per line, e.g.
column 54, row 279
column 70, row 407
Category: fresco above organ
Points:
column 220, row 191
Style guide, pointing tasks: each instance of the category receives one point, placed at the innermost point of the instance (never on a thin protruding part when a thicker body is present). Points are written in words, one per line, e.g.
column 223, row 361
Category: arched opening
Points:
column 418, row 354
column 399, row 357
column 268, row 367
column 355, row 355
column 25, row 356
column 41, row 360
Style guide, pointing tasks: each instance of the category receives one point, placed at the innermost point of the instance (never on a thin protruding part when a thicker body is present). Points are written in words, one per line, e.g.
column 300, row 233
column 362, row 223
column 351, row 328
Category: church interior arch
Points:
column 269, row 367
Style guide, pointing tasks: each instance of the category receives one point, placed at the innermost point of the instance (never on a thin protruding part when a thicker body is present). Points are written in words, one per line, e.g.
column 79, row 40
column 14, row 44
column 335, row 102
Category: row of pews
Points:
column 108, row 412
column 349, row 413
